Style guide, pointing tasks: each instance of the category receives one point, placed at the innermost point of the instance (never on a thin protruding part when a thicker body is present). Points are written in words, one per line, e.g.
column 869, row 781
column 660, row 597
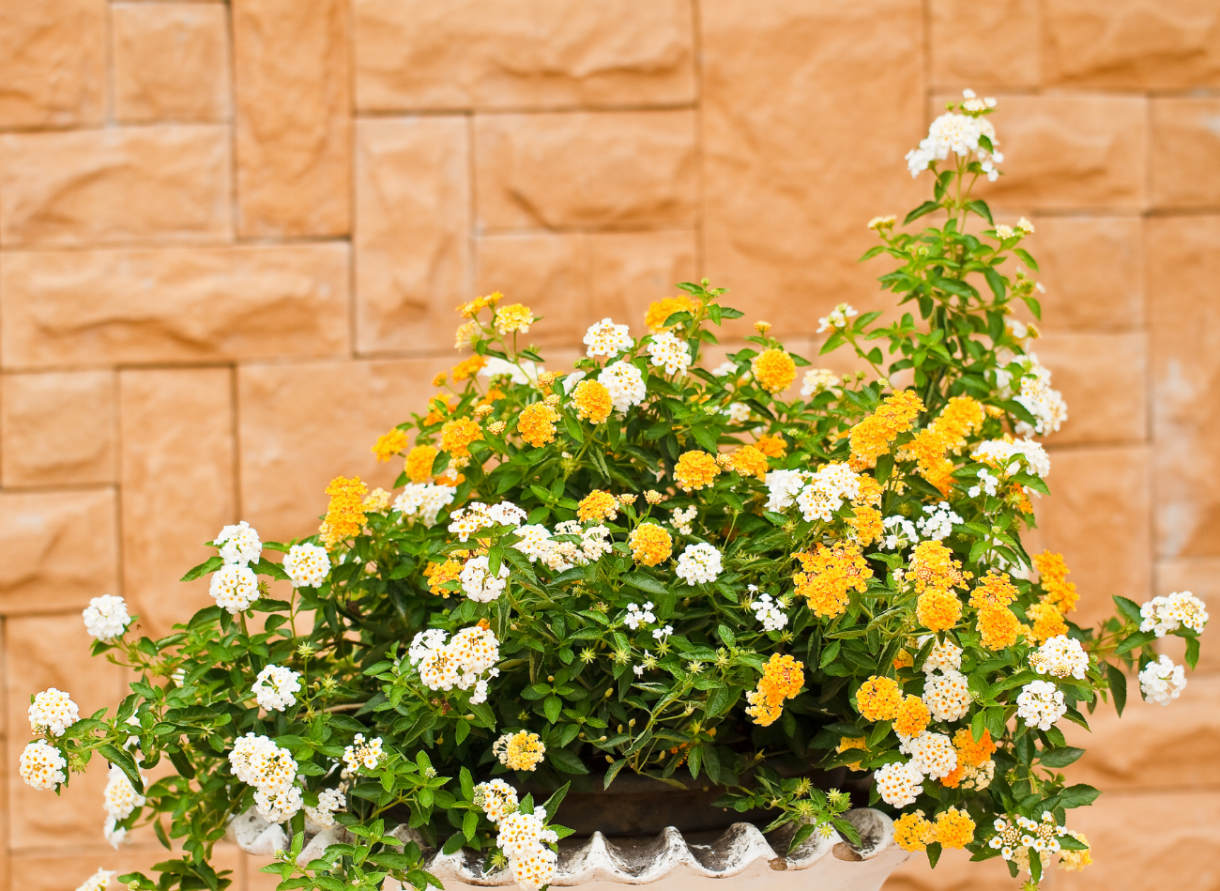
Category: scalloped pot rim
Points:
column 741, row 852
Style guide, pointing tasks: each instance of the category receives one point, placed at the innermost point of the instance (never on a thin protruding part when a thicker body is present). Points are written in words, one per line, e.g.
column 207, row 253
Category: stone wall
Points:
column 232, row 236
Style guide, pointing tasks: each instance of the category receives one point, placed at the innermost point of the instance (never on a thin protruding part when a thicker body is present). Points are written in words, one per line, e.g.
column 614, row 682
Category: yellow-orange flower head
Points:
column 650, row 544
column 1060, row 593
column 593, row 401
column 913, row 832
column 513, row 318
column 773, row 445
column 872, row 437
column 458, row 434
column 345, row 513
column 695, row 470
column 662, row 309
column 954, row 828
column 418, row 465
column 774, row 370
column 389, row 444
column 913, row 717
column 998, row 627
column 750, row 461
column 830, row 573
column 597, row 506
column 537, row 424
column 878, row 699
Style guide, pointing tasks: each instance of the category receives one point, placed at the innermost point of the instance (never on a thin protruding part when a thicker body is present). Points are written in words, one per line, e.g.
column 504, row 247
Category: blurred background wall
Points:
column 232, row 236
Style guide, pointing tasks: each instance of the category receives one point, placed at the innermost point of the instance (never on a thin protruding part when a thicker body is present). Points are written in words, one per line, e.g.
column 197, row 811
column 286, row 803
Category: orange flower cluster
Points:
column 830, row 572
column 418, row 465
column 782, row 679
column 650, row 544
column 872, row 437
column 933, row 567
column 750, row 461
column 913, row 717
column 945, row 436
column 439, row 406
column 774, row 370
column 695, row 470
column 537, row 424
column 458, row 434
column 773, row 445
column 389, row 444
column 593, row 401
column 467, row 368
column 1047, row 622
column 878, row 699
column 954, row 828
column 439, row 573
column 474, row 307
column 597, row 506
column 662, row 309
column 998, row 628
column 913, row 832
column 345, row 513
column 867, row 523
column 994, row 589
column 1060, row 593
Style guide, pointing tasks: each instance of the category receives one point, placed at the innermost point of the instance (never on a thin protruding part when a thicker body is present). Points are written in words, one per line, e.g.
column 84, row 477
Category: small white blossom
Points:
column 816, row 380
column 826, row 491
column 239, row 544
column 99, row 881
column 519, row 373
column 120, row 797
column 1061, row 657
column 53, row 712
column 275, row 686
column 1041, row 704
column 683, row 517
column 478, row 582
column 931, row 753
column 278, row 805
column 939, row 522
column 947, row 695
column 362, row 753
column 496, row 798
column 699, row 564
column 782, row 488
column 944, row 657
column 662, row 633
column 1179, row 610
column 637, row 616
column 899, row 784
column 669, row 352
column 307, row 565
column 988, row 483
column 1009, row 456
column 106, row 617
column 605, row 338
column 838, row 318
column 768, row 613
column 234, row 588
column 738, row 412
column 42, row 766
column 1162, row 681
column 899, row 533
column 330, row 802
column 625, row 383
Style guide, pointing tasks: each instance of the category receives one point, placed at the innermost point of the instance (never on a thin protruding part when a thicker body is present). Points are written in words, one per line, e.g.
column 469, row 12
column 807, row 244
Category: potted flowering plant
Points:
column 642, row 567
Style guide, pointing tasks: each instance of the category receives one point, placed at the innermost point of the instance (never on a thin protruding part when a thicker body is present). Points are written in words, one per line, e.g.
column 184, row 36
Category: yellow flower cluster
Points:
column 750, row 461
column 774, row 370
column 513, row 318
column 597, row 506
column 782, row 679
column 438, row 407
column 458, row 434
column 971, row 753
column 345, row 513
column 851, row 742
column 418, row 465
column 695, row 470
column 593, row 401
column 913, row 832
column 537, row 424
column 1075, row 861
column 1047, row 622
column 662, row 309
column 650, row 544
column 878, row 699
column 998, row 628
column 1060, row 593
column 913, row 717
column 773, row 445
column 872, row 437
column 954, row 828
column 944, row 436
column 522, row 750
column 936, row 574
column 474, row 307
column 389, row 444
column 467, row 368
column 994, row 589
column 439, row 573
column 830, row 572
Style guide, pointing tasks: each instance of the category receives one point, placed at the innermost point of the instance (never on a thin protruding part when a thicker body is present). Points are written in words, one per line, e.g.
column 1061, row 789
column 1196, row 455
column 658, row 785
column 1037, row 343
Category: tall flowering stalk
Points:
column 641, row 564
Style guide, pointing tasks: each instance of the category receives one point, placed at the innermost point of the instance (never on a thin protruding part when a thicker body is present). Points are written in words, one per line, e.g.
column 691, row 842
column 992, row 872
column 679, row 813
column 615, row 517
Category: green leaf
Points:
column 727, row 636
column 980, row 208
column 830, row 653
column 552, row 707
column 470, row 824
column 454, row 844
column 1118, row 687
column 1029, row 261
column 123, row 761
column 209, row 565
column 645, row 583
column 1192, row 651
column 1079, row 795
column 1128, row 608
column 563, row 760
column 612, row 771
column 1135, row 641
column 926, row 208
column 467, row 784
column 1061, row 757
column 552, row 804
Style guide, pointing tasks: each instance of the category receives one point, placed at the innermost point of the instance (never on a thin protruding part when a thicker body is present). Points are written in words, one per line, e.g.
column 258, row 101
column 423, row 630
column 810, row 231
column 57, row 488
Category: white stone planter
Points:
column 669, row 861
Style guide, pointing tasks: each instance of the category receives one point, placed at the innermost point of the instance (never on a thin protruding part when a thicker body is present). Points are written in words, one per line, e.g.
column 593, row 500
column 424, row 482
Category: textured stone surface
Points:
column 178, row 485
column 1185, row 145
column 1184, row 328
column 789, row 186
column 57, row 429
column 1070, row 151
column 1103, row 377
column 472, row 53
column 1093, row 272
column 293, row 117
column 412, row 232
column 984, row 46
column 1098, row 518
column 171, row 62
column 1200, row 576
column 115, row 186
column 173, row 305
column 61, row 549
column 1132, row 44
column 611, row 169
column 52, row 63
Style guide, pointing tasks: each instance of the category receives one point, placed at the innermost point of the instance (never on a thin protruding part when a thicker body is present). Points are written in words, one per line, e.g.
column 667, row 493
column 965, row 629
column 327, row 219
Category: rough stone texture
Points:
column 1132, row 44
column 171, row 62
column 789, row 186
column 1185, row 144
column 1184, row 328
column 1103, row 377
column 992, row 46
column 1200, row 576
column 173, row 305
column 57, row 429
column 611, row 169
column 475, row 54
column 178, row 485
column 293, row 124
column 412, row 231
column 52, row 63
column 1093, row 272
column 115, row 186
column 61, row 549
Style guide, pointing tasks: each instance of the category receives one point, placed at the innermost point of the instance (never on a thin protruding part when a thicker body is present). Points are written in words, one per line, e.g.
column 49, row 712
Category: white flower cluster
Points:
column 363, row 753
column 1010, row 455
column 947, row 695
column 1042, row 401
column 699, row 564
column 52, row 712
column 99, row 881
column 662, row 634
column 120, row 800
column 605, row 338
column 669, row 352
column 637, row 616
column 459, row 663
column 307, row 565
column 239, row 544
column 525, row 840
column 899, row 783
column 768, row 612
column 537, row 543
column 959, row 134
column 939, row 522
column 932, row 754
column 1162, row 681
column 1179, row 610
column 945, row 657
column 826, row 491
column 519, row 373
column 234, row 588
column 423, row 502
column 275, row 686
column 838, row 317
column 330, row 802
column 42, row 766
column 106, row 617
column 257, row 761
column 988, row 483
column 1061, row 657
column 782, row 488
column 1041, row 704
column 496, row 798
column 738, row 412
column 816, row 380
column 477, row 515
column 683, row 517
column 625, row 383
column 478, row 581
column 899, row 533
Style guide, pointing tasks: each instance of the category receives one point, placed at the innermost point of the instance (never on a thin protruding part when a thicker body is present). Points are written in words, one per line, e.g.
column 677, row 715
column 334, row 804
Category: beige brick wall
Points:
column 232, row 235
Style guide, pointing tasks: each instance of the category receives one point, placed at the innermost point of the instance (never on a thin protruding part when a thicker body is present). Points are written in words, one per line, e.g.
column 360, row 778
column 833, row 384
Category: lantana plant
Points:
column 740, row 575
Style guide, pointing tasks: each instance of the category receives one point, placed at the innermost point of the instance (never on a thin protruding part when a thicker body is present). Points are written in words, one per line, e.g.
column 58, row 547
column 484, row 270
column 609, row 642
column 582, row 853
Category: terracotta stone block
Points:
column 301, row 425
column 1104, row 378
column 471, row 54
column 53, row 651
column 66, row 868
column 412, row 231
column 1200, row 576
column 174, row 305
column 171, row 62
column 1177, row 846
column 61, row 549
column 1132, row 44
column 115, row 186
column 611, row 169
column 52, row 63
column 1185, row 144
column 178, row 486
column 1098, row 517
column 789, row 186
column 1093, row 272
column 57, row 429
column 984, row 47
column 293, row 117
column 1069, row 151
column 1184, row 324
